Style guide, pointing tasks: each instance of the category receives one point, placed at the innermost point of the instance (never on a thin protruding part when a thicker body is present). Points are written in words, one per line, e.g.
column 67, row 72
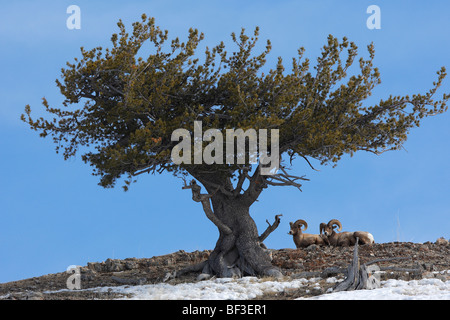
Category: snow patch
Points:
column 216, row 289
column 252, row 287
column 425, row 289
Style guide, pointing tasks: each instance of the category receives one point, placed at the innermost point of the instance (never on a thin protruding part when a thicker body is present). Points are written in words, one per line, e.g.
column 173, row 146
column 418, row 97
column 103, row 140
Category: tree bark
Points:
column 238, row 251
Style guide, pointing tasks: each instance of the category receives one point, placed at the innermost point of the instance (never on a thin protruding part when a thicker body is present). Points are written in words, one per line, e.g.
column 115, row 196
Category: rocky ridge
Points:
column 412, row 261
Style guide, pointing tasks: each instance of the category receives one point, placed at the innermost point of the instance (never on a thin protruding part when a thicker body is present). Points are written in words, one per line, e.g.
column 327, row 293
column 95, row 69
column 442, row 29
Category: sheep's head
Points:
column 297, row 226
column 328, row 228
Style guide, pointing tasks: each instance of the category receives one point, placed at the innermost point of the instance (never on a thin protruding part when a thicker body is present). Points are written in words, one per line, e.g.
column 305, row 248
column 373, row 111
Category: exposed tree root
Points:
column 231, row 262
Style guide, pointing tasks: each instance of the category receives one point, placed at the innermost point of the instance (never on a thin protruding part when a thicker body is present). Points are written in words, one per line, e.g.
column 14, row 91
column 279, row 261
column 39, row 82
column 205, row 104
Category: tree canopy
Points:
column 124, row 107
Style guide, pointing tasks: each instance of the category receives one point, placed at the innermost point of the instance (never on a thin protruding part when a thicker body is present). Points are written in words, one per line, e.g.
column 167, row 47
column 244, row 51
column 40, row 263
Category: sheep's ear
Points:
column 334, row 227
column 290, row 223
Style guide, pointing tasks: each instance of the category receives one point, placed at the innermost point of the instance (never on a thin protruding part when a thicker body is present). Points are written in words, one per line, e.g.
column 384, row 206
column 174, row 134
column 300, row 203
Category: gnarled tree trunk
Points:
column 239, row 249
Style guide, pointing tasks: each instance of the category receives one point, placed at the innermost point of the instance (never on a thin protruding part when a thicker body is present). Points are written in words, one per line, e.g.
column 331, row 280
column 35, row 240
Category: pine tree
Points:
column 123, row 108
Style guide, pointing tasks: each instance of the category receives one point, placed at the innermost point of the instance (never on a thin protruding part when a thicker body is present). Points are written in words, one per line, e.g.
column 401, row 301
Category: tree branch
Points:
column 243, row 174
column 285, row 179
column 219, row 187
column 306, row 159
column 256, row 186
column 270, row 228
column 204, row 199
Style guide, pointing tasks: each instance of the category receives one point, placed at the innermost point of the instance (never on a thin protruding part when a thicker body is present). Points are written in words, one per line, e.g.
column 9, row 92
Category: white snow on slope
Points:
column 252, row 287
column 425, row 289
column 217, row 289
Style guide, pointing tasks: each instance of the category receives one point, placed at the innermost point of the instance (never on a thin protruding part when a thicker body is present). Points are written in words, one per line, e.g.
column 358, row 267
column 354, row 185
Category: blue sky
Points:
column 53, row 214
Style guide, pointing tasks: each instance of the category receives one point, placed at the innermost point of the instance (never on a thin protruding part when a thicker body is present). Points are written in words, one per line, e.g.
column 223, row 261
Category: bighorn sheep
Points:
column 303, row 240
column 344, row 238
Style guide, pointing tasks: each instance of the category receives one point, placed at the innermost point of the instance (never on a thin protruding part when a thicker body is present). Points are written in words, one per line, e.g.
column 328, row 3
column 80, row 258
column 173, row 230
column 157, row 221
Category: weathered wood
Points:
column 270, row 228
column 362, row 276
column 352, row 280
column 413, row 270
column 238, row 250
column 204, row 199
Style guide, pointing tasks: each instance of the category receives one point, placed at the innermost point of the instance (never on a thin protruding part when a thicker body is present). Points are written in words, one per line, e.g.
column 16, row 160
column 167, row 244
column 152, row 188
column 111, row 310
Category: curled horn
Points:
column 335, row 222
column 299, row 223
column 322, row 227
